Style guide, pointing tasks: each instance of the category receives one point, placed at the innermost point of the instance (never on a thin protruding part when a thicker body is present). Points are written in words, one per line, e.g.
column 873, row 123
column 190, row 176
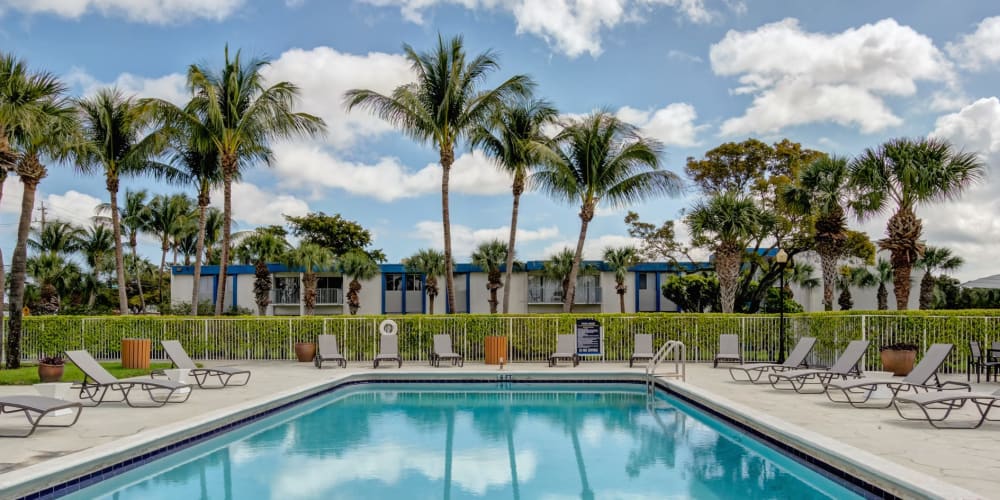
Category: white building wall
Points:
column 180, row 288
column 479, row 295
column 370, row 295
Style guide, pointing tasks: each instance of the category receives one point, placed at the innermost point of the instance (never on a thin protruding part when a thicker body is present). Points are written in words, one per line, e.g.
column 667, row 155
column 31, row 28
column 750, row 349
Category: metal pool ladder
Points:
column 672, row 350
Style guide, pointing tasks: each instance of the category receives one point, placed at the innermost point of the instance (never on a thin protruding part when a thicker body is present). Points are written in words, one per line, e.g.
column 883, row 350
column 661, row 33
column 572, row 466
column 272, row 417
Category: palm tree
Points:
column 620, row 259
column 234, row 112
column 311, row 258
column 858, row 277
column 513, row 138
column 883, row 275
column 726, row 222
column 800, row 274
column 57, row 237
column 96, row 244
column 259, row 248
column 907, row 173
column 559, row 266
column 114, row 142
column 213, row 232
column 934, row 259
column 443, row 106
column 821, row 191
column 489, row 256
column 356, row 265
column 602, row 159
column 430, row 263
column 134, row 219
column 39, row 123
column 165, row 214
column 55, row 277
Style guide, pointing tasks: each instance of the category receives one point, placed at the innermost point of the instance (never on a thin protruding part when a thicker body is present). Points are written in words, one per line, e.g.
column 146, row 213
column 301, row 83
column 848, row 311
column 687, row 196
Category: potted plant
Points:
column 50, row 369
column 898, row 358
column 305, row 351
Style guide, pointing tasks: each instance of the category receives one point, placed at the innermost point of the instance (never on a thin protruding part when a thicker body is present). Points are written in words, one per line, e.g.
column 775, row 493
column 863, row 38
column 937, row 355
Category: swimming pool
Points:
column 406, row 440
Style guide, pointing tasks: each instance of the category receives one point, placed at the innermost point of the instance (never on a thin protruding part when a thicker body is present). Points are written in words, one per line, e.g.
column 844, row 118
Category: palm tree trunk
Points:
column 18, row 268
column 926, row 290
column 828, row 263
column 116, row 229
column 727, row 266
column 620, row 289
column 586, row 214
column 517, row 189
column 228, row 170
column 353, row 296
column 4, row 151
column 883, row 297
column 138, row 278
column 159, row 277
column 309, row 282
column 447, row 158
column 903, row 242
column 199, row 249
column 431, row 285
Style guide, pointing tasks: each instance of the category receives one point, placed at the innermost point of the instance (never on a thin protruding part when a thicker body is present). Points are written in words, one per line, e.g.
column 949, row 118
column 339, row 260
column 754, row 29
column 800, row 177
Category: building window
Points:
column 413, row 283
column 393, row 282
column 329, row 282
column 642, row 281
column 286, row 290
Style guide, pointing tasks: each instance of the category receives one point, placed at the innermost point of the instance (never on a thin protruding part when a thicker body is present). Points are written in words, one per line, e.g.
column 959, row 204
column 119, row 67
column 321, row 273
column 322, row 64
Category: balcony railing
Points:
column 554, row 295
column 329, row 296
column 286, row 297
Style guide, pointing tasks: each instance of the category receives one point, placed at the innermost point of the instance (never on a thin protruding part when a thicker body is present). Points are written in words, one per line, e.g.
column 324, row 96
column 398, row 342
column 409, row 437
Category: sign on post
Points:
column 589, row 337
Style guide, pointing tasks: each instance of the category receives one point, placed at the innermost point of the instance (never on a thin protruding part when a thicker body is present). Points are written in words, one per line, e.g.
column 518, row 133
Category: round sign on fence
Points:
column 388, row 327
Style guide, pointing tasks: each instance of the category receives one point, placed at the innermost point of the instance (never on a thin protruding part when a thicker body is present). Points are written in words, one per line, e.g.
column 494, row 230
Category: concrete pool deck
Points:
column 967, row 458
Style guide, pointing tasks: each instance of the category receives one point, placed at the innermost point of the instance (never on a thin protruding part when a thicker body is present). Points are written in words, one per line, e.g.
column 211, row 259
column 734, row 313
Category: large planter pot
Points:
column 899, row 362
column 50, row 373
column 305, row 351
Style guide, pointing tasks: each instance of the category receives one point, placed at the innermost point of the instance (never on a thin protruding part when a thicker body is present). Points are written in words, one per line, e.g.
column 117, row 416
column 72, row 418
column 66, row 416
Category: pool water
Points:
column 521, row 441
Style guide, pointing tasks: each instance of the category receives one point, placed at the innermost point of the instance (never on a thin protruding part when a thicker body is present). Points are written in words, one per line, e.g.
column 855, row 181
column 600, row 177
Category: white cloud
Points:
column 145, row 11
column 309, row 165
column 680, row 55
column 71, row 206
column 673, row 124
column 257, row 207
column 465, row 239
column 573, row 27
column 170, row 88
column 798, row 77
column 593, row 247
column 324, row 74
column 978, row 49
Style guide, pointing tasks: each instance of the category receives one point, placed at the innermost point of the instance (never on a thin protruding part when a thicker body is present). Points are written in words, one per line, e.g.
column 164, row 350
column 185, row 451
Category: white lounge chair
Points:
column 388, row 350
column 796, row 359
column 846, row 365
column 443, row 350
column 729, row 350
column 643, row 348
column 565, row 350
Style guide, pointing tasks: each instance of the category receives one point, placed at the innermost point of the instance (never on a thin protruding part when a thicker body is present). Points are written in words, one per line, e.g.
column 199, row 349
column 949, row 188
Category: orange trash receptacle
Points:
column 496, row 348
column 135, row 353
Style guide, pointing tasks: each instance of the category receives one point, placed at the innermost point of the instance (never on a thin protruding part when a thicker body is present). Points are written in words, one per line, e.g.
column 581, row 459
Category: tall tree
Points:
column 165, row 215
column 96, row 245
column 821, row 192
column 259, row 248
column 430, row 263
column 356, row 265
column 311, row 258
column 40, row 124
column 601, row 159
column 55, row 276
column 334, row 233
column 442, row 107
column 725, row 223
column 56, row 237
column 658, row 243
column 935, row 259
column 489, row 256
column 236, row 113
column 620, row 259
column 559, row 266
column 883, row 276
column 905, row 174
column 513, row 137
column 116, row 143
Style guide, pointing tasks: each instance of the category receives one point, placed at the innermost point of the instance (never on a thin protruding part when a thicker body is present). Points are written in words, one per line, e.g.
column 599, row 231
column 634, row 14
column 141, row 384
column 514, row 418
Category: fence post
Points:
column 206, row 338
column 864, row 336
column 291, row 349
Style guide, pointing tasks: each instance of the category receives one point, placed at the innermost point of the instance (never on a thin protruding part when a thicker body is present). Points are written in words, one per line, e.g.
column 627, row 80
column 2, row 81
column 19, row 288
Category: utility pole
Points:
column 44, row 211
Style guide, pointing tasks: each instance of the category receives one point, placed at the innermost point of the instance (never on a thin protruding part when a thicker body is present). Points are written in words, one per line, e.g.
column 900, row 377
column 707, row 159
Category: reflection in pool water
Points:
column 410, row 441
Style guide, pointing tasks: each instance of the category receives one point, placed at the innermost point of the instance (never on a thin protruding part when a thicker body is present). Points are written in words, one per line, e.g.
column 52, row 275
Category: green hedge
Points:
column 532, row 337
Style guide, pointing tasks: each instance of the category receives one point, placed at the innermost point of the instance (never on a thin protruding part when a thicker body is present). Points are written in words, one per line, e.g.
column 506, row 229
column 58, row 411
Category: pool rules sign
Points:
column 589, row 337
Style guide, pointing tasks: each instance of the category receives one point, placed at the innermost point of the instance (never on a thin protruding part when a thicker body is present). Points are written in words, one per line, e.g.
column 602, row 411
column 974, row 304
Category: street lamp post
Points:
column 781, row 258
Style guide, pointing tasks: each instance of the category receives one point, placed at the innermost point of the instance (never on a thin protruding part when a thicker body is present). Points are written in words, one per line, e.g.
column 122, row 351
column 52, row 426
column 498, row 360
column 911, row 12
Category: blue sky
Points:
column 836, row 76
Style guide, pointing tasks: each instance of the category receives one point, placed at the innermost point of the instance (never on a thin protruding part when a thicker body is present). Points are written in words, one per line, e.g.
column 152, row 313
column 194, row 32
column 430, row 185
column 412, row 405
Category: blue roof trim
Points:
column 530, row 266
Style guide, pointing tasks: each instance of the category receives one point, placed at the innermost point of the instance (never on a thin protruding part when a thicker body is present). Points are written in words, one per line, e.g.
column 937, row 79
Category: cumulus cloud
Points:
column 144, row 11
column 71, row 206
column 572, row 27
column 257, row 207
column 976, row 50
column 464, row 239
column 593, row 247
column 324, row 74
column 673, row 125
column 169, row 88
column 309, row 165
column 799, row 77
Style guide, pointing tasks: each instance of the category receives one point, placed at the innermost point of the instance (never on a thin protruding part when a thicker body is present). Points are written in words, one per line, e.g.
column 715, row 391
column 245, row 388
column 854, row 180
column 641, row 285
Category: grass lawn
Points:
column 28, row 374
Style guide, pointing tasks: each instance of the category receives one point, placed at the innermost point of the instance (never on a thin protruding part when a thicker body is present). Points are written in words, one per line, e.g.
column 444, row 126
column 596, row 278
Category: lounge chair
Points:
column 729, row 350
column 846, row 365
column 35, row 408
column 103, row 382
column 388, row 347
column 565, row 350
column 947, row 402
column 180, row 359
column 923, row 377
column 327, row 351
column 796, row 359
column 980, row 361
column 643, row 348
column 442, row 350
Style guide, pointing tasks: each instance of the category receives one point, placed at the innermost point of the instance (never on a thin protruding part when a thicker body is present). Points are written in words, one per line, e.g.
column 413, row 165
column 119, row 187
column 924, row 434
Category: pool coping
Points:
column 65, row 474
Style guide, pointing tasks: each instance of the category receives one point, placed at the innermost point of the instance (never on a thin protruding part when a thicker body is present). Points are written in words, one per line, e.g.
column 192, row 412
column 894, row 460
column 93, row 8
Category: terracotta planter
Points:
column 305, row 351
column 50, row 373
column 898, row 362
